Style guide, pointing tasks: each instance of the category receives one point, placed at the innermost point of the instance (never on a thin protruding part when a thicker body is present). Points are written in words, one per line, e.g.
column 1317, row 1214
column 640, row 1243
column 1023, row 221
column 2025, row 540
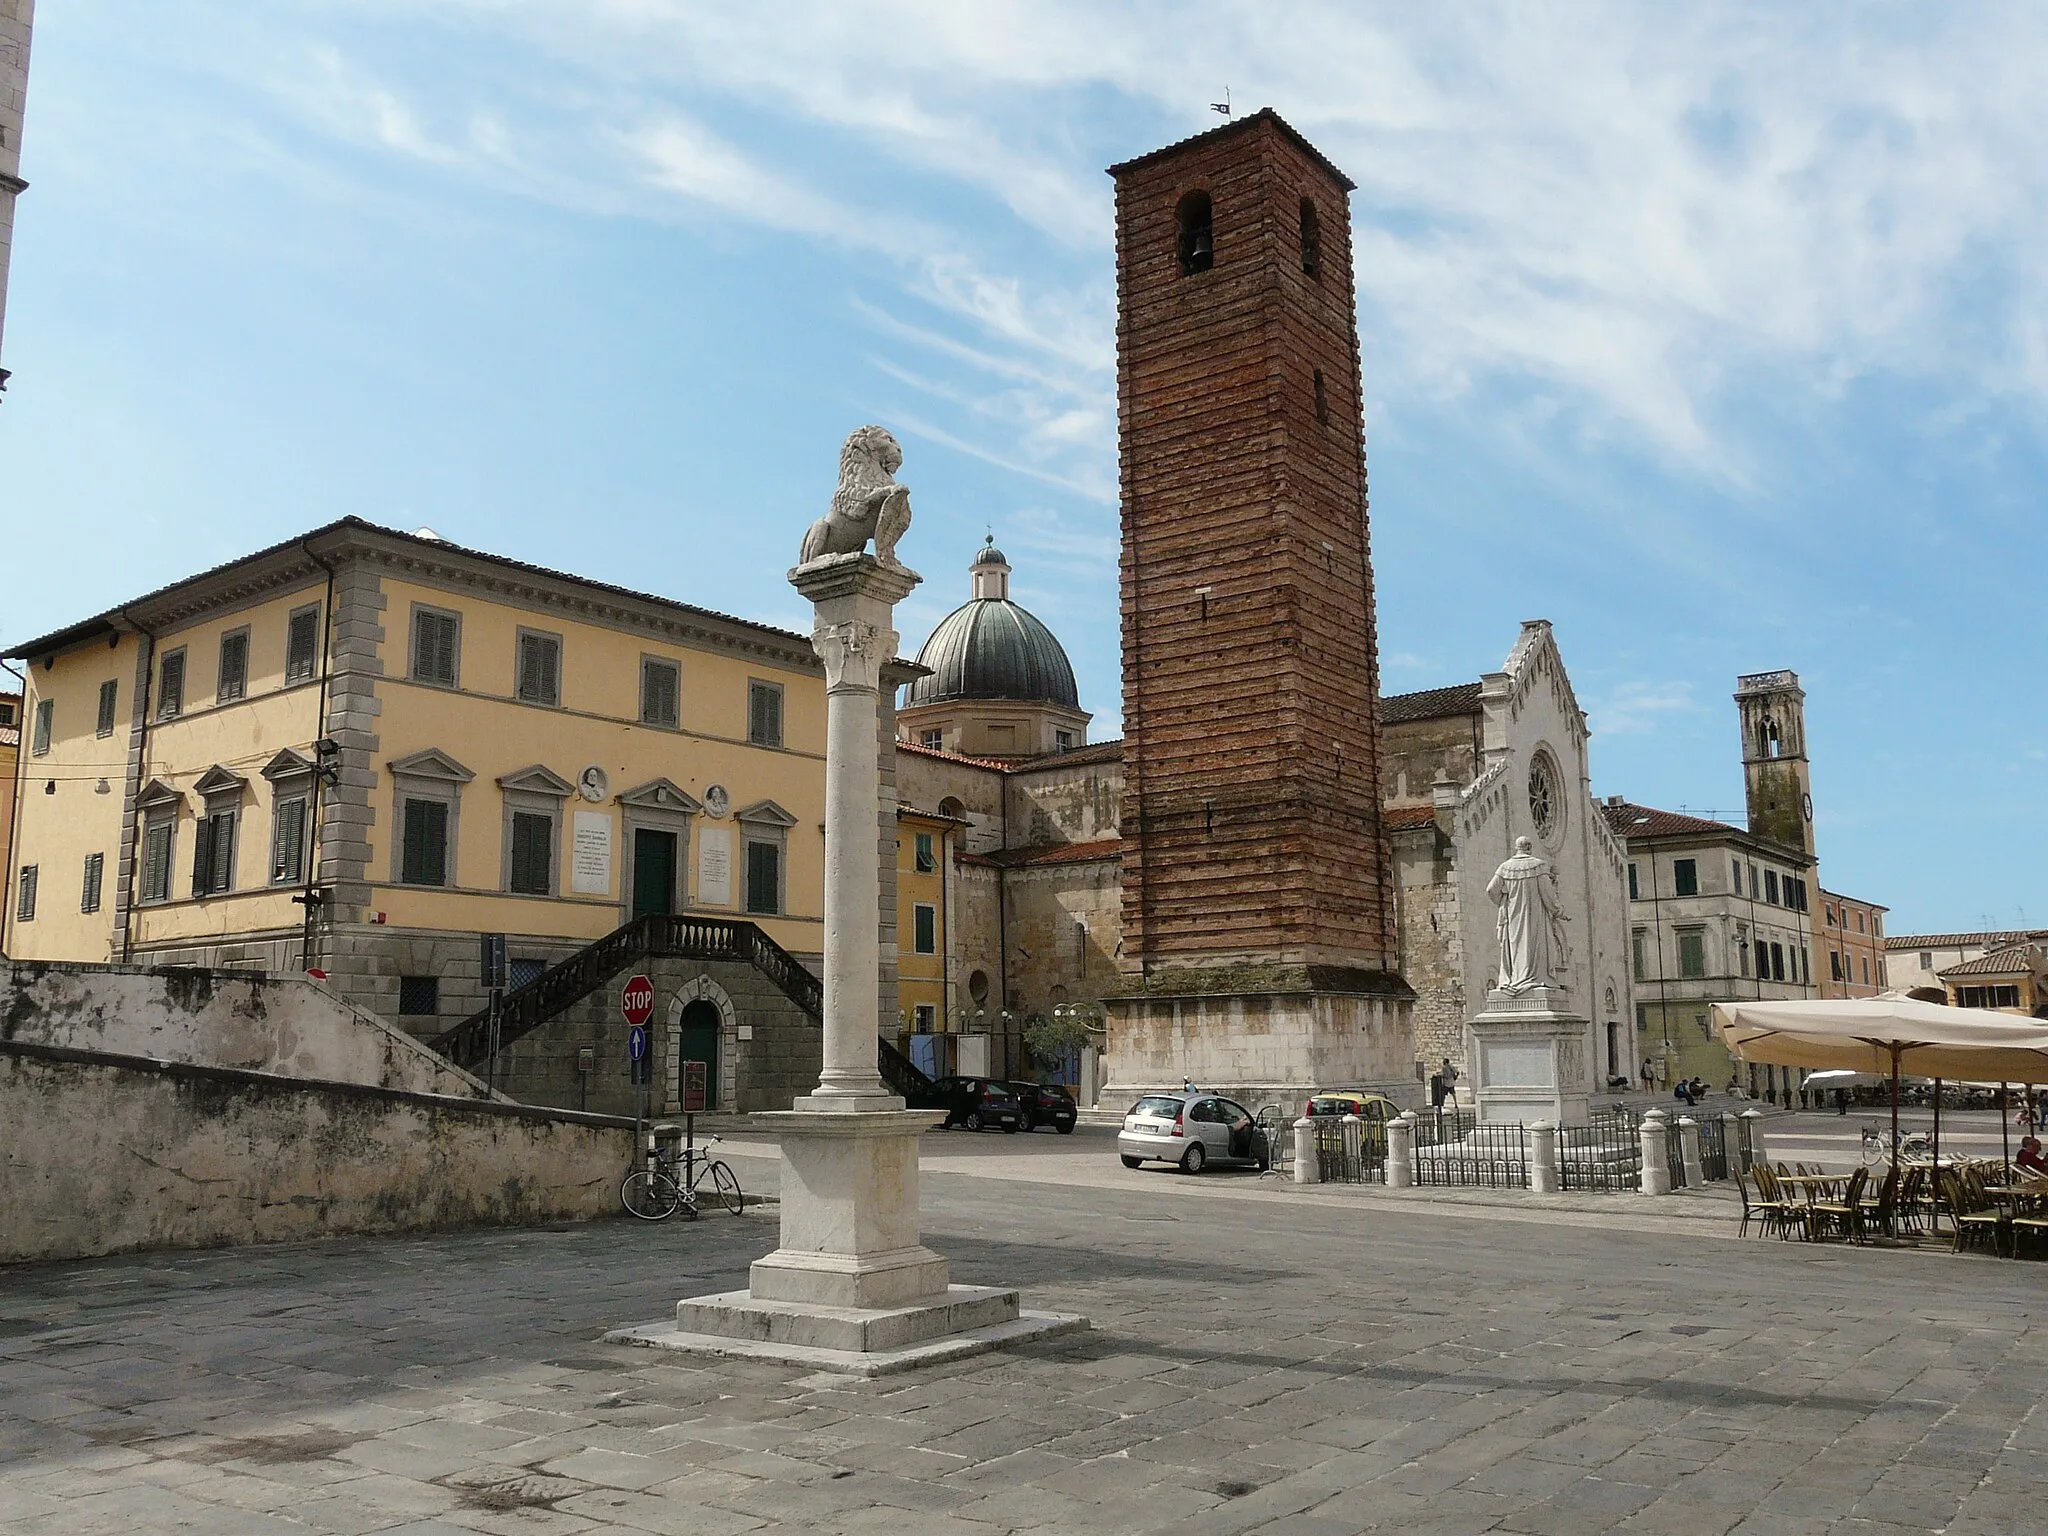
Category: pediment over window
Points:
column 288, row 765
column 432, row 763
column 538, row 779
column 156, row 793
column 219, row 781
column 766, row 812
column 660, row 795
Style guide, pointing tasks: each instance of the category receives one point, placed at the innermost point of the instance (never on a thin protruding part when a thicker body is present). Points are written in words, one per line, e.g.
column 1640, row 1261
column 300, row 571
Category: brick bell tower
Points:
column 1258, row 922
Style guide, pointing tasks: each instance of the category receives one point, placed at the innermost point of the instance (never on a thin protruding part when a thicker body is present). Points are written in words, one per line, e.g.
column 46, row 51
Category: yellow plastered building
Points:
column 359, row 751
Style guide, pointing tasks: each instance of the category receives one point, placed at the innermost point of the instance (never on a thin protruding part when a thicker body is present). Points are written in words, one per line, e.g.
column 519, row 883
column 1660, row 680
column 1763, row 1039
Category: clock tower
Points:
column 1776, row 776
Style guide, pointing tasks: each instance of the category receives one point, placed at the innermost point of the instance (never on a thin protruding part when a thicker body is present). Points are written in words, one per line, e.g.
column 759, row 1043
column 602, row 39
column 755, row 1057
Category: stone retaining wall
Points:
column 103, row 1153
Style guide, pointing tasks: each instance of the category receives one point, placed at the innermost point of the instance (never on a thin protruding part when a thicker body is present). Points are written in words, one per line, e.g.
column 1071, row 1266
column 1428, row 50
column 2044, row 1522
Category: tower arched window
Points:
column 1311, row 238
column 1197, row 234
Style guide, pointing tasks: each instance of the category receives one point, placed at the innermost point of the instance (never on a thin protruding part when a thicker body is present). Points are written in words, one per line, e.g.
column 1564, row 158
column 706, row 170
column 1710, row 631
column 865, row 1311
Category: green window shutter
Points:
column 170, row 699
column 202, row 854
column 89, row 896
column 110, row 695
column 301, row 646
column 532, row 853
column 927, row 931
column 46, row 711
column 425, row 855
column 156, row 862
column 234, row 667
column 764, row 878
column 288, row 841
column 220, row 867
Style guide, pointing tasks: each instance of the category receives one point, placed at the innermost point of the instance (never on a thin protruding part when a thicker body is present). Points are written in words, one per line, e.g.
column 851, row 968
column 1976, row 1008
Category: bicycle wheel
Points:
column 728, row 1187
column 649, row 1195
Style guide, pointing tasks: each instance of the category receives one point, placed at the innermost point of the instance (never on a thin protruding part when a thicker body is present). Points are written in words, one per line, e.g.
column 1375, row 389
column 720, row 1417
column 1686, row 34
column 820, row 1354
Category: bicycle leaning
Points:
column 670, row 1182
column 1913, row 1146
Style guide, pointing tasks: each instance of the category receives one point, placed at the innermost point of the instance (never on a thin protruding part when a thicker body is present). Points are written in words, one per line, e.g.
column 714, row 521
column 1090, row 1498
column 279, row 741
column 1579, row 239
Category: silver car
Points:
column 1196, row 1130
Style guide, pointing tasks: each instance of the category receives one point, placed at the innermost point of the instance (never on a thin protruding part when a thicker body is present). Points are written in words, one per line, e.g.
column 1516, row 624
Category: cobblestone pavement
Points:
column 1258, row 1362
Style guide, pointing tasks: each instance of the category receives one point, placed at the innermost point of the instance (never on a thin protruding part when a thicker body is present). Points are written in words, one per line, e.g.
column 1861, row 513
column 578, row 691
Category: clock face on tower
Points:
column 1806, row 806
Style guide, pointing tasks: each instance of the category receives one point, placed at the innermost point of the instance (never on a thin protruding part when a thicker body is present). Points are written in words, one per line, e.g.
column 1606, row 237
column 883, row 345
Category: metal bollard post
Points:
column 1307, row 1169
column 1401, row 1151
column 1753, row 1119
column 1543, row 1158
column 1656, row 1163
column 1689, row 1149
column 1354, row 1148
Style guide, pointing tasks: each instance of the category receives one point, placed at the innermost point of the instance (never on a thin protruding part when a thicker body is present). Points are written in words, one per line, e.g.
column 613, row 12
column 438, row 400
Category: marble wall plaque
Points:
column 714, row 867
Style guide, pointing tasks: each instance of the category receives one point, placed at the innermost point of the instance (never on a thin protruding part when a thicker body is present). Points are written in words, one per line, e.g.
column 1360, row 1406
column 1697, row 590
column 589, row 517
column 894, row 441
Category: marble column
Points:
column 854, row 635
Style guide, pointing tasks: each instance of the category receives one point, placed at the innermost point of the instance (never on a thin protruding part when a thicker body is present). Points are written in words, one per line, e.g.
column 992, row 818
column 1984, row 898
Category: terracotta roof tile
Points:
column 1063, row 853
column 1430, row 704
column 1403, row 818
column 2012, row 960
column 951, row 757
column 1094, row 752
column 1962, row 940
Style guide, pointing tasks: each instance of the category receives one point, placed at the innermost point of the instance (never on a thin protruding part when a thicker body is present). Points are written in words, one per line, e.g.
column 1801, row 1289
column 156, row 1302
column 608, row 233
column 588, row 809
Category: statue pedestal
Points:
column 1529, row 1059
column 850, row 1288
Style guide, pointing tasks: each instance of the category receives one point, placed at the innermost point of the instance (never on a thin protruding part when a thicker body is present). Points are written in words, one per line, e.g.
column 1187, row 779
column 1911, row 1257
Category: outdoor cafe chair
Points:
column 1780, row 1212
column 1971, row 1213
column 1882, row 1213
column 1847, row 1213
column 1765, row 1213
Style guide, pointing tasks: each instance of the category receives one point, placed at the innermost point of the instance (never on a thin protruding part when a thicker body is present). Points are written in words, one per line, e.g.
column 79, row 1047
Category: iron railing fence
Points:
column 1713, row 1148
column 1604, row 1156
column 1486, row 1156
column 1674, row 1154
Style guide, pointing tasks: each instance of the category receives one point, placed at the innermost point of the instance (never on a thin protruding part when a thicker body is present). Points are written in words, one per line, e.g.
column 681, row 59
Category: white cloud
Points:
column 1636, row 207
column 1641, row 708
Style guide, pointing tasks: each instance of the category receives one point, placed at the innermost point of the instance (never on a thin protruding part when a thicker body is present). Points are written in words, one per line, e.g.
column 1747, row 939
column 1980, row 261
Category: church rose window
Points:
column 1544, row 803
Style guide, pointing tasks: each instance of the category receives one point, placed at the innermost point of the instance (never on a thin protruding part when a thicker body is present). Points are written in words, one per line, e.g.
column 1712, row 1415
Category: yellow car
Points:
column 1372, row 1108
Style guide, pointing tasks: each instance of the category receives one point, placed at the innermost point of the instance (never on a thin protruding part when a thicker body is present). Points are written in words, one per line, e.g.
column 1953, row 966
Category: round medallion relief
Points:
column 1546, row 797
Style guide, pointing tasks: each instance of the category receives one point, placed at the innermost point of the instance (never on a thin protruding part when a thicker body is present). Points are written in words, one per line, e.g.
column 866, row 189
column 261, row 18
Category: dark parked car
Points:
column 1045, row 1104
column 972, row 1103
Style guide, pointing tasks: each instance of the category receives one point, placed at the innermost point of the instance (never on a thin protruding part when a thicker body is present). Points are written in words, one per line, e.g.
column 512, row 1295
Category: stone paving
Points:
column 1257, row 1364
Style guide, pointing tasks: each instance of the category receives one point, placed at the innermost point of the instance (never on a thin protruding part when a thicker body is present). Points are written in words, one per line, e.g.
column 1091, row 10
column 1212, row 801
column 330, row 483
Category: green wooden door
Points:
column 654, row 871
column 700, row 1043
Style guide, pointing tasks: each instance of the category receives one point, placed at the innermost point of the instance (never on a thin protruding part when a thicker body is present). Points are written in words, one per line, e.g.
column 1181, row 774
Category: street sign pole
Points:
column 491, row 971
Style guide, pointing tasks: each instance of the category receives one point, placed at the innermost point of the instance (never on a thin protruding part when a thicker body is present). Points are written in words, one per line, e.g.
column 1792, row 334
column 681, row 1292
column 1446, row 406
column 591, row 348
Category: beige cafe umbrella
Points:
column 1887, row 1035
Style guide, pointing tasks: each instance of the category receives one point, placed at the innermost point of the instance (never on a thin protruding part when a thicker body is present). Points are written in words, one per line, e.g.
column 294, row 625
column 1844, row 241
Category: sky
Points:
column 1714, row 334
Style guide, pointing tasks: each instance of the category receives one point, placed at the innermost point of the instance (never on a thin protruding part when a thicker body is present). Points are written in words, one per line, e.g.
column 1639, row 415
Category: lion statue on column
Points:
column 869, row 504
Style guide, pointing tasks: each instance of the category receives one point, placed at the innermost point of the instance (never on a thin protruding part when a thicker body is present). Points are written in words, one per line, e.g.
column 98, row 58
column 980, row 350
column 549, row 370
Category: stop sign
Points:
column 636, row 1002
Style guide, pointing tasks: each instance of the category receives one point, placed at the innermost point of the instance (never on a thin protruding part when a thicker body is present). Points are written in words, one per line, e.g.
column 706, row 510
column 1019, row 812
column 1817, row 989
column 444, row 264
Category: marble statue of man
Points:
column 1530, row 922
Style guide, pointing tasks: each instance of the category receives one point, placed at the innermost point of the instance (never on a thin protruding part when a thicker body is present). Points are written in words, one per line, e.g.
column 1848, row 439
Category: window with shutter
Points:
column 927, row 935
column 25, row 896
column 540, row 668
column 764, row 714
column 533, row 849
column 234, row 667
column 213, row 854
column 156, row 861
column 288, row 842
column 660, row 693
column 110, row 700
column 764, row 877
column 170, row 687
column 425, row 860
column 46, row 720
column 435, row 637
column 301, row 645
column 89, row 894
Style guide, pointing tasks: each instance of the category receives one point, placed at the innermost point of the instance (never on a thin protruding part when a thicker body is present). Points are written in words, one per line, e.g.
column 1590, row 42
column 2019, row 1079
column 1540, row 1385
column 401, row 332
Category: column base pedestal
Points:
column 851, row 1288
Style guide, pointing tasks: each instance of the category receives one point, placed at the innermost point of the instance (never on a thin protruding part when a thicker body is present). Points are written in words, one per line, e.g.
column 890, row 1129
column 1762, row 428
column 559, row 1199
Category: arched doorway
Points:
column 697, row 1040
